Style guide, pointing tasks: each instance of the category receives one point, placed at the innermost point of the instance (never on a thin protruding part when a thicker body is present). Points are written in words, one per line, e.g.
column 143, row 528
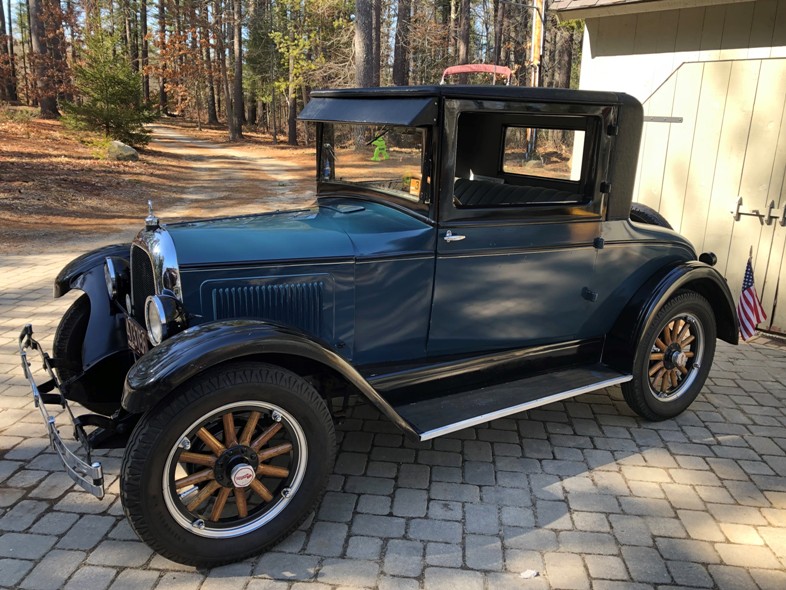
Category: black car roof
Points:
column 481, row 92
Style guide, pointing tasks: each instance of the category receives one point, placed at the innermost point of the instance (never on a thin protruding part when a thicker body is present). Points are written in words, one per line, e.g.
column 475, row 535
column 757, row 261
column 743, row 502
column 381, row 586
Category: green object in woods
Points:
column 380, row 150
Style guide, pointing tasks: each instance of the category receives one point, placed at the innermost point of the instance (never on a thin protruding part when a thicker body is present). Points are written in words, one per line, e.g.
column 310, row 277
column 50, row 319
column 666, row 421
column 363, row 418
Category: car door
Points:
column 518, row 233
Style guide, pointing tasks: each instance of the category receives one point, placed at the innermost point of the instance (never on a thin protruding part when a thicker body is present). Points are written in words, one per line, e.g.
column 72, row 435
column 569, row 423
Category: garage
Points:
column 712, row 78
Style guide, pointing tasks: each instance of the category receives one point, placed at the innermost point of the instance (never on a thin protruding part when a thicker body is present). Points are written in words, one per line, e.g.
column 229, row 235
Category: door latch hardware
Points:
column 449, row 237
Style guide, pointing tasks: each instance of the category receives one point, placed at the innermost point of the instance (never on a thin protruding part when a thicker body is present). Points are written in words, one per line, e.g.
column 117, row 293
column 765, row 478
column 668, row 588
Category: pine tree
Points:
column 111, row 94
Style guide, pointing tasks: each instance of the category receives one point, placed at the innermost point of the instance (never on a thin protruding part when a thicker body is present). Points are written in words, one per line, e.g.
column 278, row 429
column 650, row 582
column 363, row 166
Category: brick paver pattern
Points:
column 583, row 493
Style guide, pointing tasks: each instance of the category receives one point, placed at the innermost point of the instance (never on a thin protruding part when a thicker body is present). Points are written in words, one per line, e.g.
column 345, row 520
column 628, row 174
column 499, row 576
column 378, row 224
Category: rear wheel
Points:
column 673, row 358
column 228, row 465
column 644, row 214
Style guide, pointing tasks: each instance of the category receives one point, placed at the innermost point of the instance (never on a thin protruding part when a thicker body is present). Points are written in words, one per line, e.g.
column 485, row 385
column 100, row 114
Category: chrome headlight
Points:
column 110, row 276
column 163, row 317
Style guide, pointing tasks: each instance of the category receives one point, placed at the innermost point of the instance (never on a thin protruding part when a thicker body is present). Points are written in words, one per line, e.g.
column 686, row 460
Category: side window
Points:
column 546, row 153
column 517, row 161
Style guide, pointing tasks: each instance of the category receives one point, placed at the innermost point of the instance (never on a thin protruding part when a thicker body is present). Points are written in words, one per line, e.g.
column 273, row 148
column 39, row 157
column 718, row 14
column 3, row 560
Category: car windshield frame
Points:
column 330, row 184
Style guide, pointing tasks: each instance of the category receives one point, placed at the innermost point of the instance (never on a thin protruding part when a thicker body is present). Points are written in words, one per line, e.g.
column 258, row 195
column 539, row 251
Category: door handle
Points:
column 449, row 237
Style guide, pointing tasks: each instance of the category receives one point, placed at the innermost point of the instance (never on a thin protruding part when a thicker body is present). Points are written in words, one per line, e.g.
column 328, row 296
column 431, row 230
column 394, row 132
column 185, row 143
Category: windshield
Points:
column 382, row 157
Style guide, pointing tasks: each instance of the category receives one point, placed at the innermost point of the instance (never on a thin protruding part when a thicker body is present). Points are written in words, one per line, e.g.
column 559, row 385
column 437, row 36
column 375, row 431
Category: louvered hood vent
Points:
column 298, row 304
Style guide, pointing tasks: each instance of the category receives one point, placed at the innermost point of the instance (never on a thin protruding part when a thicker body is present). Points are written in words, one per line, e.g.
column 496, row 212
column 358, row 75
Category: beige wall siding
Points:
column 637, row 53
column 722, row 69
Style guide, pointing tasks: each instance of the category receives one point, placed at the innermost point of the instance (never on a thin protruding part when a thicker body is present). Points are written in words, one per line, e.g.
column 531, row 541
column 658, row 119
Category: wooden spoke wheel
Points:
column 675, row 357
column 228, row 464
column 672, row 358
column 235, row 469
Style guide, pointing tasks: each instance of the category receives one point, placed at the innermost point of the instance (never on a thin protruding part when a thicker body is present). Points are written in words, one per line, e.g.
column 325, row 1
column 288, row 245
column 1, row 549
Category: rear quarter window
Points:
column 543, row 152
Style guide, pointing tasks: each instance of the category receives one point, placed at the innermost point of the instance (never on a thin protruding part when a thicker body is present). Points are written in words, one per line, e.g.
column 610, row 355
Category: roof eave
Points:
column 623, row 8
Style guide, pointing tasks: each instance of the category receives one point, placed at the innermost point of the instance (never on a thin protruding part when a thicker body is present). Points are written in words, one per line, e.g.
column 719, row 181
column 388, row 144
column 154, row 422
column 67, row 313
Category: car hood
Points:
column 334, row 229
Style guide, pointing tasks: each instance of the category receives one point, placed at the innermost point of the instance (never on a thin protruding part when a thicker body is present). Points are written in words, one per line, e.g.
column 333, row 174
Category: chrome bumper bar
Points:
column 88, row 474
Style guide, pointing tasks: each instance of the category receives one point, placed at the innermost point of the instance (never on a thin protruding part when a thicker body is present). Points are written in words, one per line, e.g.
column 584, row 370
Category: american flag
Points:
column 749, row 308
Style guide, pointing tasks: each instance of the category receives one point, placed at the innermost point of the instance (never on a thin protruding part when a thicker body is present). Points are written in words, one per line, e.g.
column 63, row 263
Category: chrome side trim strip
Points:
column 442, row 430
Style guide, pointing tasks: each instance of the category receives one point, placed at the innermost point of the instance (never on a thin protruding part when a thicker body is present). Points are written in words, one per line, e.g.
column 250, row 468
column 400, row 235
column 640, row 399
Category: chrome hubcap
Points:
column 243, row 475
column 679, row 359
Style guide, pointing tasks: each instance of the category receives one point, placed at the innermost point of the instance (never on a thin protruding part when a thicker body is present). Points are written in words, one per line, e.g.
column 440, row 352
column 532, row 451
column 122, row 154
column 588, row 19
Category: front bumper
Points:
column 88, row 474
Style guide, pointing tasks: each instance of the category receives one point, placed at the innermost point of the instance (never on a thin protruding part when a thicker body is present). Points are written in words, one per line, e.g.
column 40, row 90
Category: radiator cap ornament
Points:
column 151, row 221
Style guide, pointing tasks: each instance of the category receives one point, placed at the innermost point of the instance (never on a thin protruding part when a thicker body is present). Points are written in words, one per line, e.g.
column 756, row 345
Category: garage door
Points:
column 716, row 133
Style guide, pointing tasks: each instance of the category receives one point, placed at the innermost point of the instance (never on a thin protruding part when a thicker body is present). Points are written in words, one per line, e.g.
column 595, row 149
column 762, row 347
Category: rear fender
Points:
column 639, row 312
column 106, row 331
column 193, row 351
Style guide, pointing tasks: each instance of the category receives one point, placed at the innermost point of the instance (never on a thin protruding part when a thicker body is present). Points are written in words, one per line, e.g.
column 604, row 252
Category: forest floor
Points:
column 55, row 190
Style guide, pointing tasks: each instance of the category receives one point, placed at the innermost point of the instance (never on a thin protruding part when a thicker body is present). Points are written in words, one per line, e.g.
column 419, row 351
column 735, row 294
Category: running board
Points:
column 442, row 415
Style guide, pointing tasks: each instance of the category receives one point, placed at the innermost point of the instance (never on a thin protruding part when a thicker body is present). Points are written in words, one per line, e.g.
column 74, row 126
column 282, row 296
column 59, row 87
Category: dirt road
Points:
column 58, row 194
column 219, row 175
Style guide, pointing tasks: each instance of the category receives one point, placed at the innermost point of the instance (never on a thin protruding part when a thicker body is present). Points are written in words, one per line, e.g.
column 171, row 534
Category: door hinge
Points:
column 605, row 187
column 613, row 130
column 589, row 294
column 598, row 243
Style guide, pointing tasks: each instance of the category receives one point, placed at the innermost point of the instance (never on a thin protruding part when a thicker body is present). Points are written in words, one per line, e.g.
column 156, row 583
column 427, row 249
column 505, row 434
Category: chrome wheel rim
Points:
column 235, row 469
column 675, row 357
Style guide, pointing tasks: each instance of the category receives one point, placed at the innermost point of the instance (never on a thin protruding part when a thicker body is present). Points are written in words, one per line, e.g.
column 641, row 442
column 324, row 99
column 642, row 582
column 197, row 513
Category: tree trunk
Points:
column 25, row 39
column 222, row 65
column 401, row 48
column 305, row 96
column 212, row 113
column 564, row 58
column 41, row 59
column 463, row 37
column 55, row 31
column 376, row 45
column 364, row 53
column 292, row 117
column 274, row 114
column 8, row 91
column 71, row 26
column 292, row 100
column 128, row 33
column 452, row 48
column 144, row 49
column 162, row 97
column 238, row 82
column 499, row 26
column 14, row 80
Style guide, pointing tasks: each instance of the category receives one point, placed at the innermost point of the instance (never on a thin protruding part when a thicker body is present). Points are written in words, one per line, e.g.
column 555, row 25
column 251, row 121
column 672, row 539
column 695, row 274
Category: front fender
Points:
column 639, row 312
column 71, row 272
column 106, row 332
column 191, row 352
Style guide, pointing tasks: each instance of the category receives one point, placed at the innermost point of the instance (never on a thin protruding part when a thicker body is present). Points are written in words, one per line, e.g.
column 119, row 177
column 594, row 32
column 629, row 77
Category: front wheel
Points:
column 673, row 358
column 228, row 465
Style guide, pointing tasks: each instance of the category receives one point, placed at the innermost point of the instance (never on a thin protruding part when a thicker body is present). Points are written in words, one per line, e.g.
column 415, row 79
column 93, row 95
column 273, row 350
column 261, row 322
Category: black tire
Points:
column 686, row 324
column 153, row 462
column 70, row 336
column 644, row 214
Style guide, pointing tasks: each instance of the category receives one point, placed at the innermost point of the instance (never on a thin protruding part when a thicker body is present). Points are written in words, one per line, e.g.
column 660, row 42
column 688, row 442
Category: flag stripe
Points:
column 749, row 308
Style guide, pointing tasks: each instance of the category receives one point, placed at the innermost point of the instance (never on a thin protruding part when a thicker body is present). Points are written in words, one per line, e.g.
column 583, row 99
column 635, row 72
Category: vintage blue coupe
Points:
column 462, row 237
